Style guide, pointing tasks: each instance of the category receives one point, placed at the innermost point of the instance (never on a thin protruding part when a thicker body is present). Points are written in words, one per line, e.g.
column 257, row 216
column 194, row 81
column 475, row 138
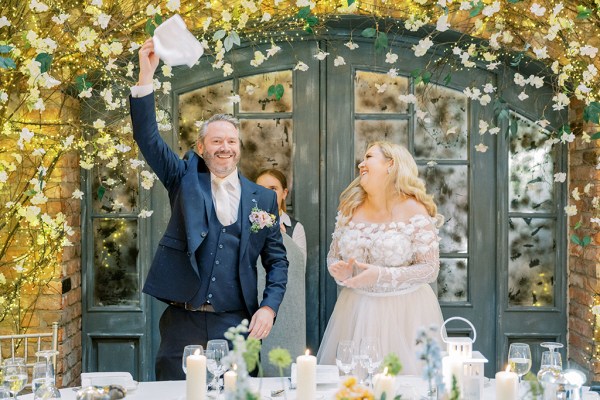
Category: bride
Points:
column 385, row 251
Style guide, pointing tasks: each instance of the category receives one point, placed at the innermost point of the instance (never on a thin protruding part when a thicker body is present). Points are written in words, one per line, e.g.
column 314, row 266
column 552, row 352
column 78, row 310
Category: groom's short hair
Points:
column 218, row 117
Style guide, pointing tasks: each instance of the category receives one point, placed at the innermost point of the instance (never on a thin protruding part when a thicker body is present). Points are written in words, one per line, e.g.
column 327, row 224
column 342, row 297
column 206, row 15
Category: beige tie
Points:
column 222, row 202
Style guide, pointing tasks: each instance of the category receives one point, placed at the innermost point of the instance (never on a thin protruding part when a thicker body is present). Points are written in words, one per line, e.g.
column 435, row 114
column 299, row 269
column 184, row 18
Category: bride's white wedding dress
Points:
column 401, row 302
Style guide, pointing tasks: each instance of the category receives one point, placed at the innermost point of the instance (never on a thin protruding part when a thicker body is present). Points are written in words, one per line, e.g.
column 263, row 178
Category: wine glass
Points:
column 344, row 357
column 14, row 375
column 370, row 356
column 215, row 351
column 519, row 358
column 43, row 379
column 189, row 350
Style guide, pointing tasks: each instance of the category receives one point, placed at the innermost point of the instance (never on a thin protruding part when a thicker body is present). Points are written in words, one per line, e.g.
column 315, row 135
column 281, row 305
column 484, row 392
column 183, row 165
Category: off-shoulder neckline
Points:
column 410, row 221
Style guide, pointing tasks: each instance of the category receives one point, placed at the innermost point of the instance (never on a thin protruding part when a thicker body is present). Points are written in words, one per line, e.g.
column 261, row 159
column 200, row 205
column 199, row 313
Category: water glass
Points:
column 215, row 351
column 551, row 360
column 14, row 375
column 345, row 356
column 370, row 356
column 519, row 358
column 189, row 350
column 4, row 393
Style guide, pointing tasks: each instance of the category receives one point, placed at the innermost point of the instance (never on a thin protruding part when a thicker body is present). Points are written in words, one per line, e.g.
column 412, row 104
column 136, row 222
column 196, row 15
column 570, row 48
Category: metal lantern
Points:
column 466, row 365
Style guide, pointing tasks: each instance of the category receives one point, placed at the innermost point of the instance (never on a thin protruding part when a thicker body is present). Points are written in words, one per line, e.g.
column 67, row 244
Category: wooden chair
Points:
column 27, row 344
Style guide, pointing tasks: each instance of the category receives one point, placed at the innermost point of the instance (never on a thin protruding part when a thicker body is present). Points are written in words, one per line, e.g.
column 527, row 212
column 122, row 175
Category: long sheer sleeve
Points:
column 425, row 263
column 333, row 255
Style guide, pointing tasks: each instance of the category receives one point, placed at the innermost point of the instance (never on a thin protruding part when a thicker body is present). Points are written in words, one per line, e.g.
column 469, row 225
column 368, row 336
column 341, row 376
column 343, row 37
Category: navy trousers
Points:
column 179, row 327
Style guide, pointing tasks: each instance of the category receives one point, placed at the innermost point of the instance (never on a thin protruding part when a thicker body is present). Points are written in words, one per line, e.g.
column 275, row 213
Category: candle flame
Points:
column 508, row 368
column 197, row 352
column 235, row 367
column 385, row 370
column 307, row 352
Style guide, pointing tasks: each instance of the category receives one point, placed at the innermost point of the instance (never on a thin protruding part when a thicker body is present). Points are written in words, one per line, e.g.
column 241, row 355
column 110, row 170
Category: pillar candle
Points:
column 229, row 381
column 507, row 385
column 452, row 366
column 195, row 380
column 306, row 370
column 384, row 383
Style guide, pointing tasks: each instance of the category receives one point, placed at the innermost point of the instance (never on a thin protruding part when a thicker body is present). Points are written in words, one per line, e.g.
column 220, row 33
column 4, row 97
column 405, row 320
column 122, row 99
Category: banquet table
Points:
column 412, row 387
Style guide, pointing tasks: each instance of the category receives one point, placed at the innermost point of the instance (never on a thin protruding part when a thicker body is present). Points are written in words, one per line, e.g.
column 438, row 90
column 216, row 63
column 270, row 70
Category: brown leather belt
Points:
column 206, row 307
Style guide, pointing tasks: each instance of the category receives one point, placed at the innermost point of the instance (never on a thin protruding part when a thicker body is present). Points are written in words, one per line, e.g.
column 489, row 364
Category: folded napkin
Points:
column 108, row 378
column 175, row 45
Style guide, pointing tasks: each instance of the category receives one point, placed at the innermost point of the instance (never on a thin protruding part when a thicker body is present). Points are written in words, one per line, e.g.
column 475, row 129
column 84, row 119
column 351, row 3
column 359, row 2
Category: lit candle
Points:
column 306, row 370
column 384, row 383
column 195, row 380
column 452, row 366
column 230, row 379
column 507, row 385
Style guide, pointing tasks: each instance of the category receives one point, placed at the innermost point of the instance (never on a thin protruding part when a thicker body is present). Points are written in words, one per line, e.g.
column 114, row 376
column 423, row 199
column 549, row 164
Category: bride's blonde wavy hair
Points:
column 403, row 176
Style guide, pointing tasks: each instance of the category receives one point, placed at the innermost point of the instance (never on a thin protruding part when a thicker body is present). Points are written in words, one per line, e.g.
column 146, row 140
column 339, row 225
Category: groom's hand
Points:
column 148, row 62
column 261, row 323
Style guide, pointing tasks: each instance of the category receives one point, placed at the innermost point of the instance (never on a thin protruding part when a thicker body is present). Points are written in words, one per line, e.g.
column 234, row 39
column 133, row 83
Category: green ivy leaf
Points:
column 381, row 42
column 100, row 192
column 514, row 1
column 30, row 193
column 577, row 225
column 308, row 29
column 228, row 43
column 586, row 240
column 350, row 2
column 279, row 91
column 5, row 49
column 575, row 239
column 426, row 77
column 514, row 126
column 368, row 32
column 7, row 63
column 595, row 136
column 476, row 9
column 591, row 113
column 220, row 34
column 235, row 37
column 447, row 79
column 150, row 27
column 517, row 60
column 583, row 12
column 45, row 60
column 158, row 19
column 81, row 83
column 312, row 20
column 564, row 130
column 303, row 12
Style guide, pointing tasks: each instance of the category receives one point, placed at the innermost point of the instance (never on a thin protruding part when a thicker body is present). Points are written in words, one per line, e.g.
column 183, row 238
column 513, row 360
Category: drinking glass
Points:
column 551, row 360
column 215, row 351
column 519, row 358
column 44, row 380
column 14, row 375
column 345, row 356
column 4, row 393
column 370, row 356
column 189, row 350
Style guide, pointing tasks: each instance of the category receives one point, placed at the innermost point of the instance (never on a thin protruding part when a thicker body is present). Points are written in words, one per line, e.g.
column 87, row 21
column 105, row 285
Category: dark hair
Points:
column 277, row 174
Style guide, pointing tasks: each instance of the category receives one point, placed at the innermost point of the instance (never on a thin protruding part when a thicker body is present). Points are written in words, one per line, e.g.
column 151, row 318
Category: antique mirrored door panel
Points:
column 500, row 263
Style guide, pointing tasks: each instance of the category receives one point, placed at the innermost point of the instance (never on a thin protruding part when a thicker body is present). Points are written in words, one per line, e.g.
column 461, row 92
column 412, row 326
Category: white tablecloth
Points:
column 175, row 390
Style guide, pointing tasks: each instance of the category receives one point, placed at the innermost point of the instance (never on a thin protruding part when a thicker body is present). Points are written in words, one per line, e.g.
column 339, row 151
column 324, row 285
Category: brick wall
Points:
column 584, row 267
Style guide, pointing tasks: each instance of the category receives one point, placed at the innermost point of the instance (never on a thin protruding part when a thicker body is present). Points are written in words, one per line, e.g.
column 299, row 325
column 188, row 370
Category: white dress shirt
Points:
column 299, row 235
column 142, row 90
column 234, row 190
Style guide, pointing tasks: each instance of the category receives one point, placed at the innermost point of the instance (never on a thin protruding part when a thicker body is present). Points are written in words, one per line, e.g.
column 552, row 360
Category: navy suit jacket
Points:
column 175, row 274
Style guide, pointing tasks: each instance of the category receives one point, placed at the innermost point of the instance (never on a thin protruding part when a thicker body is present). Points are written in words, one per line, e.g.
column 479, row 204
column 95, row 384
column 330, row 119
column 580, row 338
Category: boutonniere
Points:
column 260, row 219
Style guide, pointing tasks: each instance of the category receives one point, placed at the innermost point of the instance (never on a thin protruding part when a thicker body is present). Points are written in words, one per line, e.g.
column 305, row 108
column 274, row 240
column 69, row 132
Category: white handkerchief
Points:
column 175, row 45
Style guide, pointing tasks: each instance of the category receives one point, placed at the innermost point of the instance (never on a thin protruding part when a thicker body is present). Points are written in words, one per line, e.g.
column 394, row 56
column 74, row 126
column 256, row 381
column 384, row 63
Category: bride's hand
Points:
column 367, row 277
column 341, row 270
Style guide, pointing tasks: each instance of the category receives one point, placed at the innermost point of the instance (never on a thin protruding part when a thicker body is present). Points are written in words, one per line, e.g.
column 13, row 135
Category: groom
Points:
column 205, row 264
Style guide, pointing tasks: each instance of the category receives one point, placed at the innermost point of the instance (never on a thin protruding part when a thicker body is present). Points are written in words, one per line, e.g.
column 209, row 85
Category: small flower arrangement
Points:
column 430, row 352
column 261, row 219
column 352, row 390
column 245, row 355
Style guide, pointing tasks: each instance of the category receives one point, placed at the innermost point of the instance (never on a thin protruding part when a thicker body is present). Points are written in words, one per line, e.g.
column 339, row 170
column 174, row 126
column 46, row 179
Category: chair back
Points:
column 27, row 344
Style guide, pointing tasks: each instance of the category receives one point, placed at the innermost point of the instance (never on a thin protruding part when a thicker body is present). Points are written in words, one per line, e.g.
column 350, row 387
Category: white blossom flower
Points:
column 3, row 96
column 393, row 72
column 148, row 179
column 102, row 20
column 560, row 177
column 38, row 6
column 99, row 124
column 38, row 152
column 522, row 96
column 381, row 88
column 300, row 66
column 3, row 176
column 465, row 5
column 226, row 16
column 408, row 98
column 173, row 5
column 38, row 198
column 167, row 70
column 351, row 45
column 483, row 126
column 571, row 210
column 421, row 48
column 586, row 188
column 423, row 116
column 206, row 23
column 543, row 122
column 589, row 51
column 575, row 194
column 567, row 138
column 273, row 50
column 557, row 8
column 491, row 9
column 442, row 24
column 25, row 136
column 489, row 88
column 560, row 100
column 151, row 10
column 227, row 69
column 87, row 93
column 4, row 22
column 485, row 99
column 535, row 81
column 145, row 213
column 541, row 53
column 537, row 10
column 494, row 130
column 266, row 17
column 597, row 222
column 97, row 3
column 321, row 55
column 482, row 148
column 305, row 3
column 391, row 58
column 519, row 79
column 235, row 98
column 259, row 58
column 339, row 60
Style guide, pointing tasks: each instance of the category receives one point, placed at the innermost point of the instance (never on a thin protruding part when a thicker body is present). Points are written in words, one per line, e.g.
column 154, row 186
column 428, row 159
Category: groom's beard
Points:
column 218, row 166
